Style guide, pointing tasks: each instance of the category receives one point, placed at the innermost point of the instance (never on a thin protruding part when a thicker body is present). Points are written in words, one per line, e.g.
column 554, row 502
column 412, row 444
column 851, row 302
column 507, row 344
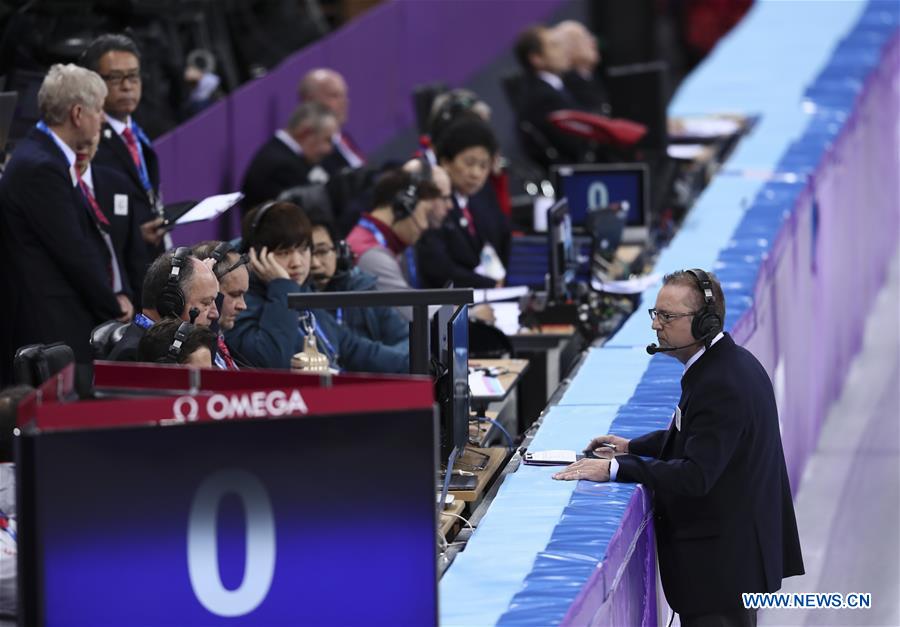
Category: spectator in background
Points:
column 123, row 145
column 234, row 281
column 544, row 61
column 331, row 270
column 174, row 341
column 581, row 80
column 177, row 285
column 57, row 264
column 471, row 248
column 279, row 239
column 293, row 157
column 329, row 88
column 405, row 207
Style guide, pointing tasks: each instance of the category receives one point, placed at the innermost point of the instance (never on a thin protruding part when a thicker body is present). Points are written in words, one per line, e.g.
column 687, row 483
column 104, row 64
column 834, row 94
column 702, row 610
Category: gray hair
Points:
column 66, row 86
column 310, row 115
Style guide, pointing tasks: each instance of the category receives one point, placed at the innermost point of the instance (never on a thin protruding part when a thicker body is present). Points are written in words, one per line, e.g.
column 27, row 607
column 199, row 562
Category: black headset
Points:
column 406, row 199
column 344, row 257
column 455, row 105
column 171, row 300
column 220, row 253
column 254, row 225
column 175, row 349
column 706, row 323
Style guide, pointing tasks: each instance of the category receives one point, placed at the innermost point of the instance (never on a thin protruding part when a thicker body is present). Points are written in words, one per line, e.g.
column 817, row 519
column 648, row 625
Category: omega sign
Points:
column 259, row 404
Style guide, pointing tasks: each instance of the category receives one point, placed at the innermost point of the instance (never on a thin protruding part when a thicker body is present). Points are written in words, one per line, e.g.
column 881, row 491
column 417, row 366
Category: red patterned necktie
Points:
column 223, row 350
column 470, row 221
column 89, row 197
column 131, row 143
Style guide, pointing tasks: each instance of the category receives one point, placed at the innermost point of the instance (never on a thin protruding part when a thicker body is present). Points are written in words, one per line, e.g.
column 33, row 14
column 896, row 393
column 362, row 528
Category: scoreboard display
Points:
column 289, row 521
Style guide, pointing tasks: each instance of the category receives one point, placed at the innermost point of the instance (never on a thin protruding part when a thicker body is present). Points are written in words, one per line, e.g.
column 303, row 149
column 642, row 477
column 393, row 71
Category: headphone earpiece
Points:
column 344, row 261
column 171, row 301
column 175, row 349
column 407, row 198
column 254, row 226
column 706, row 323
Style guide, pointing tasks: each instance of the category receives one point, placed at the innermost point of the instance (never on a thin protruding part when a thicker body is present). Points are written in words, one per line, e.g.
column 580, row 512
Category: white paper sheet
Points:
column 628, row 286
column 500, row 293
column 210, row 208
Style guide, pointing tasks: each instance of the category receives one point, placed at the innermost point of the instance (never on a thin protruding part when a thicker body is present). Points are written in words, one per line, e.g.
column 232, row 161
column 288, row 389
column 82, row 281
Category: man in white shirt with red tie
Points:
column 123, row 144
column 329, row 88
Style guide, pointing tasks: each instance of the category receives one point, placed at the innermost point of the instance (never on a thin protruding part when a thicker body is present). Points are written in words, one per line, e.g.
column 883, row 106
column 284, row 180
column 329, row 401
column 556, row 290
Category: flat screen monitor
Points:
column 561, row 253
column 590, row 187
column 231, row 523
column 458, row 369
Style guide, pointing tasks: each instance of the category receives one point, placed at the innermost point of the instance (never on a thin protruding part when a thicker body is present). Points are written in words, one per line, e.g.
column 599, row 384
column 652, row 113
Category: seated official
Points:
column 406, row 206
column 173, row 341
column 329, row 88
column 177, row 285
column 544, row 61
column 331, row 270
column 471, row 248
column 234, row 280
column 292, row 157
column 269, row 333
column 581, row 80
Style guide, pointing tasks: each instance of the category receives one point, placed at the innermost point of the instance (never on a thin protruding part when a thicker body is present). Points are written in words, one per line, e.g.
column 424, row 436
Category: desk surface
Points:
column 448, row 519
column 514, row 369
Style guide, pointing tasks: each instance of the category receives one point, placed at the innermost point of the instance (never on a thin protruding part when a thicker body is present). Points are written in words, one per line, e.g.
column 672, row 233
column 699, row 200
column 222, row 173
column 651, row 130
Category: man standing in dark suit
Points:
column 123, row 144
column 292, row 157
column 58, row 261
column 723, row 512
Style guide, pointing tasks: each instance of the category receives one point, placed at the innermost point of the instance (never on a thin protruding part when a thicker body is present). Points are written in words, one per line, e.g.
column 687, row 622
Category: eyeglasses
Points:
column 321, row 253
column 665, row 317
column 117, row 78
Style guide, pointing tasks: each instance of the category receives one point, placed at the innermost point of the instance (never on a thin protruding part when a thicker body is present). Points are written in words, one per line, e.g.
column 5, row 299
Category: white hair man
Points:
column 59, row 273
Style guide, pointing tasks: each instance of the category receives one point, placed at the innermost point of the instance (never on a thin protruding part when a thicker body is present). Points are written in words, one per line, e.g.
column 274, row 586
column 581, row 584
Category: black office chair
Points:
column 534, row 143
column 105, row 336
column 487, row 341
column 36, row 363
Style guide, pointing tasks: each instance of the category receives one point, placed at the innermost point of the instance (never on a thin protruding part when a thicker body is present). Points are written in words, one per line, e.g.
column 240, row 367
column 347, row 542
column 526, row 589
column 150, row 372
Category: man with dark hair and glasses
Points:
column 723, row 513
column 123, row 144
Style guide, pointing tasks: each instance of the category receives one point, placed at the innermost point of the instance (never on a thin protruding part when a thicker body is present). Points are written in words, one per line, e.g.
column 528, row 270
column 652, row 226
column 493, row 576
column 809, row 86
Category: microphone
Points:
column 652, row 349
column 193, row 313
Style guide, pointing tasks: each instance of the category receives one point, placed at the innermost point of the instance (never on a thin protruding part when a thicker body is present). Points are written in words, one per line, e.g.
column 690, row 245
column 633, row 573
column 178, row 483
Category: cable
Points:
column 465, row 520
column 511, row 445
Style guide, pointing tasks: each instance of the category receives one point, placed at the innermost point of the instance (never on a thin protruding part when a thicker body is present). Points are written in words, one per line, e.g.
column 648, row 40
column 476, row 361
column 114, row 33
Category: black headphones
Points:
column 706, row 323
column 406, row 199
column 174, row 352
column 171, row 300
column 456, row 104
column 254, row 225
column 344, row 257
column 220, row 253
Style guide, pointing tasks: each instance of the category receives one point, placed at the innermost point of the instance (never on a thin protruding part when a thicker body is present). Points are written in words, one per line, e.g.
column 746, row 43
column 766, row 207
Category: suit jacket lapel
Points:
column 118, row 147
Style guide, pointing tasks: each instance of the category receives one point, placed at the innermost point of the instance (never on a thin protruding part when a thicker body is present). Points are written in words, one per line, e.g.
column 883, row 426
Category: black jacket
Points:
column 112, row 153
column 538, row 100
column 450, row 253
column 55, row 261
column 273, row 169
column 722, row 499
column 125, row 232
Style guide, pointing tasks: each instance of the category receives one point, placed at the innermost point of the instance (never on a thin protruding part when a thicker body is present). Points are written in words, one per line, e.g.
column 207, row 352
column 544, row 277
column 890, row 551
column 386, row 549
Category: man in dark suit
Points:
column 292, row 157
column 123, row 144
column 581, row 80
column 724, row 517
column 544, row 60
column 59, row 265
column 475, row 229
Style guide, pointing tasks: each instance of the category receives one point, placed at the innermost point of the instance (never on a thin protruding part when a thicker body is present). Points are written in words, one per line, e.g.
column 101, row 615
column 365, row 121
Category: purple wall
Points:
column 382, row 54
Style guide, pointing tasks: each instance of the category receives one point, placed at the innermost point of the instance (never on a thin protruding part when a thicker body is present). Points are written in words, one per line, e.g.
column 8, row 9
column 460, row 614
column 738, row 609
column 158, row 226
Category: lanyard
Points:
column 317, row 331
column 410, row 254
column 140, row 139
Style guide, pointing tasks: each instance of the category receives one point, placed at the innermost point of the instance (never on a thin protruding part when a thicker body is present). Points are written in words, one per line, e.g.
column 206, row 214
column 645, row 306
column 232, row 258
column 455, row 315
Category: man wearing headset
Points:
column 234, row 280
column 407, row 203
column 724, row 518
column 175, row 341
column 177, row 285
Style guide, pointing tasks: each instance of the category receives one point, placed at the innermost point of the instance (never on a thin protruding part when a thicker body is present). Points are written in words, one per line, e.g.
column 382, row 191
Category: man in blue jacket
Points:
column 723, row 513
column 269, row 333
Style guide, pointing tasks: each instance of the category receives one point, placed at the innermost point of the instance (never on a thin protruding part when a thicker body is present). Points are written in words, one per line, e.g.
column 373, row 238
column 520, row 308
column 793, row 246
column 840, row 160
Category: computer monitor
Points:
column 561, row 252
column 458, row 366
column 590, row 187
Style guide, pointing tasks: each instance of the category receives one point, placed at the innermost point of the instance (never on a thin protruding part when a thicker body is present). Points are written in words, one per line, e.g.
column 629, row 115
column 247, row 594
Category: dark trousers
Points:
column 736, row 618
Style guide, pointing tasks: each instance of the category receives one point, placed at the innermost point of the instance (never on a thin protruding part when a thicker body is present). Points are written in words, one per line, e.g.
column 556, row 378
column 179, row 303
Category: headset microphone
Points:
column 652, row 349
column 193, row 313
